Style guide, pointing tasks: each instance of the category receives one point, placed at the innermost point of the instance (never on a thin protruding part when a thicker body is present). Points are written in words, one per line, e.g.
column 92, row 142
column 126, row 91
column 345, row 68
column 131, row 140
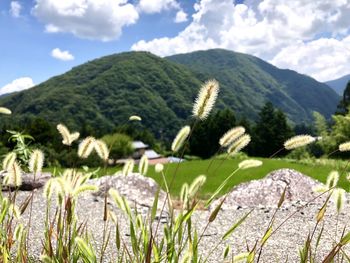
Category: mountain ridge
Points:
column 339, row 84
column 280, row 86
column 104, row 92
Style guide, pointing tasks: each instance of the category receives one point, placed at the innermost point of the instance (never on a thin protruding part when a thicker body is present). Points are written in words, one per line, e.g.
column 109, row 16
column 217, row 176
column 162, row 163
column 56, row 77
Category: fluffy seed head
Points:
column 14, row 211
column 135, row 118
column 344, row 147
column 86, row 146
column 196, row 185
column 8, row 161
column 206, row 99
column 143, row 165
column 61, row 186
column 4, row 110
column 184, row 194
column 339, row 198
column 14, row 176
column 180, row 138
column 298, row 141
column 74, row 136
column 348, row 177
column 159, row 168
column 63, row 130
column 246, row 164
column 102, row 149
column 36, row 161
column 128, row 167
column 18, row 232
column 84, row 188
column 68, row 138
column 239, row 144
column 231, row 135
column 332, row 179
column 48, row 189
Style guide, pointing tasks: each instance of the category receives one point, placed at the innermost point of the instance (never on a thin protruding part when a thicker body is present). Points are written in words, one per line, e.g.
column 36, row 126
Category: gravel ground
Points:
column 281, row 247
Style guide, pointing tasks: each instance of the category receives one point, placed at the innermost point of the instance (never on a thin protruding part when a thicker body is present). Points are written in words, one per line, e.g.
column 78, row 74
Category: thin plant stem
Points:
column 30, row 213
column 174, row 174
column 298, row 210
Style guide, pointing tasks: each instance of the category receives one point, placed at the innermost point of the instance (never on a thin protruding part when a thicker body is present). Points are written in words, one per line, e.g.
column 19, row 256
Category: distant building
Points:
column 141, row 149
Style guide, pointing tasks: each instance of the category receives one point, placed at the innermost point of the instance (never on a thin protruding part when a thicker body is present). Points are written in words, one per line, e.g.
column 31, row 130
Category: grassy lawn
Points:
column 219, row 170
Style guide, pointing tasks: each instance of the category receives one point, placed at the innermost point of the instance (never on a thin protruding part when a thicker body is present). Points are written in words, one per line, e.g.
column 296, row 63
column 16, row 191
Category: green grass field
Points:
column 219, row 170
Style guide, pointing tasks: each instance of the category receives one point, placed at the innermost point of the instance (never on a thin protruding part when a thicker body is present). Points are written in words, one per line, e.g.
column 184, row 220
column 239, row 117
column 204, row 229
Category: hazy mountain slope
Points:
column 247, row 82
column 339, row 84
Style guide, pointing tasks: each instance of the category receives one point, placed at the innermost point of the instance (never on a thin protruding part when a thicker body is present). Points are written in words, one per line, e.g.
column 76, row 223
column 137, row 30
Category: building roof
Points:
column 139, row 145
column 151, row 154
column 172, row 159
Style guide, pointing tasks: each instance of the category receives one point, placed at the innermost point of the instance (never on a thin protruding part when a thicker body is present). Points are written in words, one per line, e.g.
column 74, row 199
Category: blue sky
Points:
column 43, row 38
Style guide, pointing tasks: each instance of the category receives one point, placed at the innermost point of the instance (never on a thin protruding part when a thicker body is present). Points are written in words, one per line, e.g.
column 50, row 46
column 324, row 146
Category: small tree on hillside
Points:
column 205, row 138
column 271, row 131
column 119, row 145
column 343, row 106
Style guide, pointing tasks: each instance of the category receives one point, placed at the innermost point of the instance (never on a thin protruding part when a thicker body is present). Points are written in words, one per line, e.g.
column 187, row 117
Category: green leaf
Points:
column 345, row 240
column 214, row 214
column 117, row 236
column 266, row 236
column 155, row 205
column 230, row 231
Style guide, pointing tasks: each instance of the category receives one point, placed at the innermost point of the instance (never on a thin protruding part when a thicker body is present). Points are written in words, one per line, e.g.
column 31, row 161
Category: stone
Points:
column 266, row 192
column 136, row 188
column 28, row 182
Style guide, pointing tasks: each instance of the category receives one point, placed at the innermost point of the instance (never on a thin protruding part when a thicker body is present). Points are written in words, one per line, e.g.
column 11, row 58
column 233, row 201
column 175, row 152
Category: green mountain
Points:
column 104, row 92
column 339, row 85
column 247, row 82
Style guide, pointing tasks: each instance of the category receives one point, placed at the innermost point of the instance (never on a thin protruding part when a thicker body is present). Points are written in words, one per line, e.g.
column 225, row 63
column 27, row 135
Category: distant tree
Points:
column 244, row 122
column 343, row 106
column 43, row 132
column 205, row 137
column 303, row 128
column 137, row 132
column 119, row 144
column 326, row 142
column 271, row 131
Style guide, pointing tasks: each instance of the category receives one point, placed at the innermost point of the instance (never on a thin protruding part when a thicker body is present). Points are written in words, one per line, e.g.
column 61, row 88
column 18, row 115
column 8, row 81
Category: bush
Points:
column 119, row 144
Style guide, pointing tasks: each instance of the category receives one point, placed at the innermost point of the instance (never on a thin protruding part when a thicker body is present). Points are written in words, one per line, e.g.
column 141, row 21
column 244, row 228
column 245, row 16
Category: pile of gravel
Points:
column 258, row 197
column 267, row 192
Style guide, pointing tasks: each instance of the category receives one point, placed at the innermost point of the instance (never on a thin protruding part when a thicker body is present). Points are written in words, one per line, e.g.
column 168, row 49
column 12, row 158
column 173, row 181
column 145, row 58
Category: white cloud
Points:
column 90, row 19
column 17, row 85
column 323, row 59
column 181, row 16
column 156, row 6
column 262, row 28
column 15, row 8
column 64, row 55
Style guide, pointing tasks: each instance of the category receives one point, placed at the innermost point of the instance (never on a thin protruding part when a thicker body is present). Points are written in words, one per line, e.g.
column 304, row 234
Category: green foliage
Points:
column 119, row 145
column 247, row 82
column 343, row 106
column 205, row 138
column 101, row 94
column 21, row 145
column 271, row 131
column 66, row 239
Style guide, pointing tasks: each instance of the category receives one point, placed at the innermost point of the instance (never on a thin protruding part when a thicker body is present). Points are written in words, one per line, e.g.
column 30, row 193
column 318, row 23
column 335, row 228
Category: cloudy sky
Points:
column 43, row 38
